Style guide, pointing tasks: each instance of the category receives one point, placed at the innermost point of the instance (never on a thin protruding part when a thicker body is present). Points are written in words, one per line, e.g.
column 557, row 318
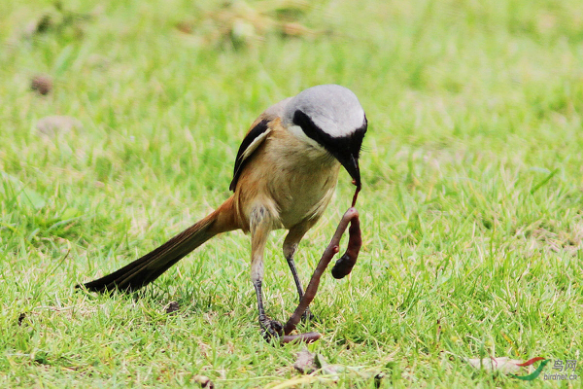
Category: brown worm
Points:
column 350, row 216
column 308, row 337
column 344, row 265
column 355, row 197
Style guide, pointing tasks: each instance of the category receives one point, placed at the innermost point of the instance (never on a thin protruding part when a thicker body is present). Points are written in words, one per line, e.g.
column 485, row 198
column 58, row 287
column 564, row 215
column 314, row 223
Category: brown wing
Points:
column 254, row 138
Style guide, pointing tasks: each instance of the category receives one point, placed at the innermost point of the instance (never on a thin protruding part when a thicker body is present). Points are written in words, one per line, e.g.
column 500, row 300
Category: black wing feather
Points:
column 240, row 162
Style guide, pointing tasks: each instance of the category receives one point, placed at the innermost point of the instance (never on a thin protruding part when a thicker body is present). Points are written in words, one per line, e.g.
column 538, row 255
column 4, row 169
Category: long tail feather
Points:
column 149, row 267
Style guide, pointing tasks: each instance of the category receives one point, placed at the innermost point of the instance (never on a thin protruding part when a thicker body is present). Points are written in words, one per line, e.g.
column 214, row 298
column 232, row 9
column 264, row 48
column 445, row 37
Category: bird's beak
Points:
column 351, row 165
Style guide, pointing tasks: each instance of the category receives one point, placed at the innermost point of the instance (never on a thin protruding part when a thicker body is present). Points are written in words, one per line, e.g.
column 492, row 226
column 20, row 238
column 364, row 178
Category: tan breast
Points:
column 293, row 180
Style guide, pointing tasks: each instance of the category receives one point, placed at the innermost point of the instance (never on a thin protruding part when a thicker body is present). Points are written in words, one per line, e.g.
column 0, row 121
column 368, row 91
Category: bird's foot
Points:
column 308, row 316
column 272, row 329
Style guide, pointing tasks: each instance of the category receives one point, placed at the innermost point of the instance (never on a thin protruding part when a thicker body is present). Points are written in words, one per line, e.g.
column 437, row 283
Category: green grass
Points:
column 472, row 203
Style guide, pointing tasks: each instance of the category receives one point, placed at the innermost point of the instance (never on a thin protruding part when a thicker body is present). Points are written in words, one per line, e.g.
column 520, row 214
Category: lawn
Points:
column 472, row 204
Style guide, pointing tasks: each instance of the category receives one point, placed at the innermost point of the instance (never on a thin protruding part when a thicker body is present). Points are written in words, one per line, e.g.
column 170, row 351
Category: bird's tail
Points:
column 149, row 267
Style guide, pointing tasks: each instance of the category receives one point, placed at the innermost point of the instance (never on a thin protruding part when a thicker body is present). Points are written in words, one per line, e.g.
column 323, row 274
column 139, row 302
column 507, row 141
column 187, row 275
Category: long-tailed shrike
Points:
column 285, row 174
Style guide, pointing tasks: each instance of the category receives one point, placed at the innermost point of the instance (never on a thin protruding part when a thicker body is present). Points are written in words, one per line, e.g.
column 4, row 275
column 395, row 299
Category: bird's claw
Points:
column 308, row 316
column 272, row 329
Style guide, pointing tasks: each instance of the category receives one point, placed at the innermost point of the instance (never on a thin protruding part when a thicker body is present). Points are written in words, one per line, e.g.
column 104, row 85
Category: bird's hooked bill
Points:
column 351, row 166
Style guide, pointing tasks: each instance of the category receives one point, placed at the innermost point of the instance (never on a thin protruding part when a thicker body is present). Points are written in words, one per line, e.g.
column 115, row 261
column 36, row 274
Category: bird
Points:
column 286, row 171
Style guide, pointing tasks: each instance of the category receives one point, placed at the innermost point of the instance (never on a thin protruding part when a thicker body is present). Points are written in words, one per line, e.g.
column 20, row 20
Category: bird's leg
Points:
column 290, row 246
column 261, row 224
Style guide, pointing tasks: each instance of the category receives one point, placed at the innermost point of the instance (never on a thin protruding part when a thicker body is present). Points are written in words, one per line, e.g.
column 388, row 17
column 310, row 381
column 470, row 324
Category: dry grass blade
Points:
column 240, row 22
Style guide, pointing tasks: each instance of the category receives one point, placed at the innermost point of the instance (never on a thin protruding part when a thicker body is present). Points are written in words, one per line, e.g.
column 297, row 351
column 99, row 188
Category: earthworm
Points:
column 349, row 217
column 344, row 265
column 308, row 337
column 355, row 197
